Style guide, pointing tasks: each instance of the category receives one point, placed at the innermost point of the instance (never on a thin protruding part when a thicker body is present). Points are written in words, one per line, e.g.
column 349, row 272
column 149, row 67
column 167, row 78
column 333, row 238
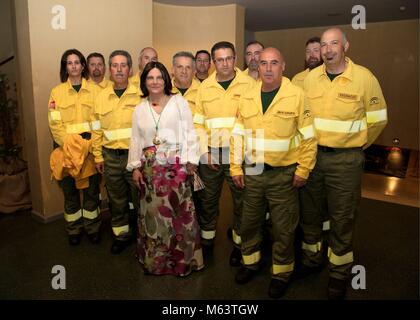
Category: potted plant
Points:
column 14, row 180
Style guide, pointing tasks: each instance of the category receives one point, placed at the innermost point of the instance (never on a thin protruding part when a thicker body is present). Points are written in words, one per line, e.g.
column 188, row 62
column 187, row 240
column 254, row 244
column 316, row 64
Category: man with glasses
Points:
column 216, row 109
column 203, row 63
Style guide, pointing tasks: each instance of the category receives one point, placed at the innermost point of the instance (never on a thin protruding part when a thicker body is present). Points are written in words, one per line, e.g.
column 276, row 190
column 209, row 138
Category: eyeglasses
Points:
column 227, row 59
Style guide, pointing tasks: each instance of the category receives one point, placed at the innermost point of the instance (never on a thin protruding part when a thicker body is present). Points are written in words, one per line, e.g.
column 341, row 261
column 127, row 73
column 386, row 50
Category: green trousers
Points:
column 85, row 216
column 210, row 195
column 273, row 187
column 122, row 193
column 335, row 185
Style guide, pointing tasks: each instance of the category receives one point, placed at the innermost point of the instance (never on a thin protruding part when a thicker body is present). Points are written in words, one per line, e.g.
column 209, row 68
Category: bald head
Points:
column 146, row 55
column 271, row 68
column 334, row 45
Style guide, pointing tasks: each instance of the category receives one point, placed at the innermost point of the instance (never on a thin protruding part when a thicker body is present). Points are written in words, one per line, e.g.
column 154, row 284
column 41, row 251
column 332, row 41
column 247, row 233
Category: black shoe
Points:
column 245, row 275
column 94, row 238
column 277, row 288
column 336, row 289
column 235, row 257
column 303, row 271
column 74, row 239
column 118, row 246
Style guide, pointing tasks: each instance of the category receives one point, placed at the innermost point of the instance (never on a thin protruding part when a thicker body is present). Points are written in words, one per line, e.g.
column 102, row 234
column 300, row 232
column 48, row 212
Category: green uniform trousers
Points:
column 85, row 216
column 273, row 187
column 121, row 192
column 336, row 180
column 210, row 195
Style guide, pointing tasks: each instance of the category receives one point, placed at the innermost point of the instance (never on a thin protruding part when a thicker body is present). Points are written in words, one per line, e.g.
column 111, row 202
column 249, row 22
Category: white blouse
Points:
column 175, row 130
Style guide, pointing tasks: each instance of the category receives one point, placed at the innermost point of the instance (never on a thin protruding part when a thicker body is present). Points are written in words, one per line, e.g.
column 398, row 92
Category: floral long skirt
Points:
column 168, row 240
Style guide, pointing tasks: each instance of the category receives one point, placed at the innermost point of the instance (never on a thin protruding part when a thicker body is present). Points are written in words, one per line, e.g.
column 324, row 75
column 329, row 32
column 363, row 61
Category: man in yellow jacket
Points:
column 252, row 53
column 114, row 106
column 312, row 60
column 217, row 106
column 70, row 109
column 97, row 69
column 147, row 54
column 349, row 113
column 274, row 130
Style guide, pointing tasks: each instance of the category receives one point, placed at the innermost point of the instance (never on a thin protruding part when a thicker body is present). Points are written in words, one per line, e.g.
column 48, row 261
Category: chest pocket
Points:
column 127, row 115
column 68, row 112
column 106, row 116
column 347, row 106
column 209, row 103
column 284, row 121
column 316, row 104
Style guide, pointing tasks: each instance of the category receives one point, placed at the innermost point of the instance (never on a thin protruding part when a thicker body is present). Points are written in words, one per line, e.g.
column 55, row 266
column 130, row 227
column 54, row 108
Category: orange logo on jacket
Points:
column 52, row 104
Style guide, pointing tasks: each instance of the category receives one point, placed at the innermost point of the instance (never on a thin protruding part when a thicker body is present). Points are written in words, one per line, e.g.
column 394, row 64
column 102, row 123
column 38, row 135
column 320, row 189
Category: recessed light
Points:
column 402, row 8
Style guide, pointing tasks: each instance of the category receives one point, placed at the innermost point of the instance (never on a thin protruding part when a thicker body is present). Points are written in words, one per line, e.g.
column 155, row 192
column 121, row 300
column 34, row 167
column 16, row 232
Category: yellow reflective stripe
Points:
column 236, row 238
column 282, row 268
column 307, row 132
column 96, row 125
column 117, row 134
column 208, row 235
column 238, row 129
column 78, row 127
column 90, row 214
column 71, row 217
column 217, row 123
column 326, row 225
column 252, row 258
column 340, row 126
column 55, row 115
column 340, row 260
column 120, row 230
column 311, row 247
column 376, row 116
column 270, row 144
column 199, row 118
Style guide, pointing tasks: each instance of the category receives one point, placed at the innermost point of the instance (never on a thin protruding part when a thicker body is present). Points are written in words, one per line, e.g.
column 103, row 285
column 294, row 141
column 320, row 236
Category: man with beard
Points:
column 96, row 68
column 252, row 52
column 349, row 112
column 312, row 60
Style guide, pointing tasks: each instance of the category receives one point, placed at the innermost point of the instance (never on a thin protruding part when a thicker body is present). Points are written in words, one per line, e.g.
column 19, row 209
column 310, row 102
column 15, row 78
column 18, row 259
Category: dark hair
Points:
column 121, row 53
column 254, row 42
column 313, row 40
column 95, row 55
column 202, row 51
column 222, row 45
column 63, row 64
column 165, row 75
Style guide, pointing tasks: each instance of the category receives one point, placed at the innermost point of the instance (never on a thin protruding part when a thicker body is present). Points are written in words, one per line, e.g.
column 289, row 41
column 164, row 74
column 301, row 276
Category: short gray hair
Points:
column 185, row 54
column 121, row 53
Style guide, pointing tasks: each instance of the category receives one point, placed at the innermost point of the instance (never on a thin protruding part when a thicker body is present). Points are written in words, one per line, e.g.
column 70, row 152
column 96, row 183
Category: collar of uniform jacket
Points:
column 83, row 87
column 211, row 81
column 348, row 72
column 131, row 89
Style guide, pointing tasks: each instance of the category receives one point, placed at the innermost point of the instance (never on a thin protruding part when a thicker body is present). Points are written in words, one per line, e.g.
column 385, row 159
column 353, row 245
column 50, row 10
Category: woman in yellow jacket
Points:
column 69, row 110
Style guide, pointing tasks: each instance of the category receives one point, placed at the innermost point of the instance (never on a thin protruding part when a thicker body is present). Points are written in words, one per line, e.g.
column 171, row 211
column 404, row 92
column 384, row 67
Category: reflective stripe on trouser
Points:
column 275, row 188
column 73, row 212
column 337, row 174
column 210, row 195
column 121, row 191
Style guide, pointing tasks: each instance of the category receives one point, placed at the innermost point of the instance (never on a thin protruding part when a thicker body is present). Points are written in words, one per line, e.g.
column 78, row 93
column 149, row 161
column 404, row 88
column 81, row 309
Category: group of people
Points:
column 292, row 149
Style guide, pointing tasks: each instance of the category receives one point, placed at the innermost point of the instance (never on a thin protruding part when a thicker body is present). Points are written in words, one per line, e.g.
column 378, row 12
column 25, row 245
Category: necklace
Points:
column 156, row 140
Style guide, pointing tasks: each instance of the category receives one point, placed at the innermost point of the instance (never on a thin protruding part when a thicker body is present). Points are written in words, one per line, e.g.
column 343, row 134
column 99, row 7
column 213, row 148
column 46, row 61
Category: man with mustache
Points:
column 203, row 64
column 276, row 129
column 312, row 60
column 349, row 113
column 96, row 68
column 252, row 52
column 112, row 123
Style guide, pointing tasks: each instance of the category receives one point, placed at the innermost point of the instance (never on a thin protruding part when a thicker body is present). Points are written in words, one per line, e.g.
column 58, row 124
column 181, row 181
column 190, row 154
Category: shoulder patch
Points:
column 306, row 113
column 52, row 104
column 374, row 100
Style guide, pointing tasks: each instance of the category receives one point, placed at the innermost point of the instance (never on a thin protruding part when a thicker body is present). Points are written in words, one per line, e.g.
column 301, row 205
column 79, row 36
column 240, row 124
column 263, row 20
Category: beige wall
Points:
column 95, row 25
column 179, row 28
column 390, row 50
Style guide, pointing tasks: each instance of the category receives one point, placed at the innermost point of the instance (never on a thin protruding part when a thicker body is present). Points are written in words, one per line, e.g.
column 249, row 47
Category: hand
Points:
column 212, row 166
column 191, row 168
column 100, row 167
column 298, row 182
column 239, row 181
column 137, row 178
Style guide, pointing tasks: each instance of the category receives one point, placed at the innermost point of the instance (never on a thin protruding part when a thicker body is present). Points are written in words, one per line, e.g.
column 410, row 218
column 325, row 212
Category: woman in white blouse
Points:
column 163, row 154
